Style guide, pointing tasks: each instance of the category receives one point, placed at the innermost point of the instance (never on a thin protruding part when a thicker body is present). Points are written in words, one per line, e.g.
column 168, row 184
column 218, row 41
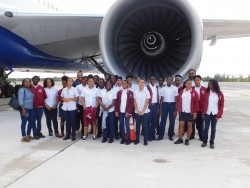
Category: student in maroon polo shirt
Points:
column 198, row 122
column 213, row 108
column 38, row 102
column 123, row 108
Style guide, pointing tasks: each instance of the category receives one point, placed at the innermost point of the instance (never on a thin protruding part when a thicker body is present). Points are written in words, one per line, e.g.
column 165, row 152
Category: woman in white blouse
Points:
column 70, row 97
column 107, row 102
column 50, row 106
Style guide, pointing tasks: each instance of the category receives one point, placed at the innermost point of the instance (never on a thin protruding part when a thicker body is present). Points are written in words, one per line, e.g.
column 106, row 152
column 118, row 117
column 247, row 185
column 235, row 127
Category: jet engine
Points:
column 151, row 37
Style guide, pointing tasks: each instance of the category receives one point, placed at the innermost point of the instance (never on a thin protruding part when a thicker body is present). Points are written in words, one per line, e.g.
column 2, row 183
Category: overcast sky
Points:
column 230, row 56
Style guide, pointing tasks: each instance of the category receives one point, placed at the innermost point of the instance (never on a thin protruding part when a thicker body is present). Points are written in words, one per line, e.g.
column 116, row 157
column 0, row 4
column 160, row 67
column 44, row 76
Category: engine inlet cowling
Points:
column 151, row 37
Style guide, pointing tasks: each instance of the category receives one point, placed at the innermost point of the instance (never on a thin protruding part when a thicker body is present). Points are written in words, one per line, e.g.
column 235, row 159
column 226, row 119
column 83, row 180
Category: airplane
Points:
column 138, row 37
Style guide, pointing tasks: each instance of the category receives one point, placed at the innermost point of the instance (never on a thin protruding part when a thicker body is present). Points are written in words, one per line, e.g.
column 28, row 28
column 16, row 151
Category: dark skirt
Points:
column 186, row 117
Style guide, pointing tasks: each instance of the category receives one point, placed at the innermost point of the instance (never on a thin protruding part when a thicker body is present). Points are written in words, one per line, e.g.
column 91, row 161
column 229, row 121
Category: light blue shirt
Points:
column 25, row 98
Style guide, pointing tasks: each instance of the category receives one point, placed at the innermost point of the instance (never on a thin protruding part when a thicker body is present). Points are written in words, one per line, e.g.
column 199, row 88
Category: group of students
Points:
column 107, row 105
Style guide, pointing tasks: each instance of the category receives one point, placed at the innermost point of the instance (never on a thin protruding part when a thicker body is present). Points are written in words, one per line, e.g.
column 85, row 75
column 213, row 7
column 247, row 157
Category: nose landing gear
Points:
column 6, row 89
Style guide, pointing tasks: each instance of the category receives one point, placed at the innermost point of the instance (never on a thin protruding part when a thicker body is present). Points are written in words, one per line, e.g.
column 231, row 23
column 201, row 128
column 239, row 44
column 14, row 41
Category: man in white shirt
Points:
column 153, row 107
column 141, row 100
column 168, row 107
column 131, row 87
column 160, row 86
column 191, row 75
column 79, row 115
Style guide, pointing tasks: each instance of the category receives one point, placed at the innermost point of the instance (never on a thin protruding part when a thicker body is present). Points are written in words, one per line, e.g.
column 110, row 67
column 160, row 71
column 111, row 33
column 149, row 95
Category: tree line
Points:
column 228, row 78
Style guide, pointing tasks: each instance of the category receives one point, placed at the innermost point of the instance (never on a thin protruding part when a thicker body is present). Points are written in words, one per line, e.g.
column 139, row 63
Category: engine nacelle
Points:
column 151, row 37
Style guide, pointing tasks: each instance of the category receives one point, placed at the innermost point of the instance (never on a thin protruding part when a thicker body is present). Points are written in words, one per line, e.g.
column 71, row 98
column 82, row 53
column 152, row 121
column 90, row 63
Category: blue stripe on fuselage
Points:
column 17, row 53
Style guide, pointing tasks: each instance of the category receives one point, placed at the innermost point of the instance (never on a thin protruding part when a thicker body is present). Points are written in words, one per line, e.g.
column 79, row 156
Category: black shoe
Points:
column 171, row 139
column 136, row 142
column 66, row 138
column 117, row 137
column 145, row 143
column 73, row 138
column 50, row 133
column 153, row 138
column 36, row 137
column 127, row 142
column 41, row 135
column 99, row 135
column 192, row 138
column 57, row 135
column 179, row 141
column 203, row 144
column 212, row 146
column 159, row 138
column 186, row 142
column 111, row 141
column 104, row 140
column 150, row 140
column 122, row 141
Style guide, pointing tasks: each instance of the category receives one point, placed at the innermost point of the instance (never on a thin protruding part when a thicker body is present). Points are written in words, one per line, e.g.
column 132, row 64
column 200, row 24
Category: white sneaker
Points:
column 84, row 138
column 94, row 137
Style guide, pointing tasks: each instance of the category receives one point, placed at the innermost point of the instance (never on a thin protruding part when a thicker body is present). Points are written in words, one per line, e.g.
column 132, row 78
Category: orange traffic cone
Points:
column 132, row 129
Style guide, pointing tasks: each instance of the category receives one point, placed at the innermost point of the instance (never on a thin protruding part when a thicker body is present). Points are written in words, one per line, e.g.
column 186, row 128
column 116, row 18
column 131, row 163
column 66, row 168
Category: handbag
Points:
column 14, row 103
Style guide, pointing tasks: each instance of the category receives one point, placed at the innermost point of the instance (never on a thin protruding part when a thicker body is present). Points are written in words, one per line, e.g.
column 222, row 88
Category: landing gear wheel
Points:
column 8, row 90
column 1, row 92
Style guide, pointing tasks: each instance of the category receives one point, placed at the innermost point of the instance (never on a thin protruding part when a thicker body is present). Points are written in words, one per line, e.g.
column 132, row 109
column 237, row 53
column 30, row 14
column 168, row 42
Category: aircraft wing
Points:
column 222, row 29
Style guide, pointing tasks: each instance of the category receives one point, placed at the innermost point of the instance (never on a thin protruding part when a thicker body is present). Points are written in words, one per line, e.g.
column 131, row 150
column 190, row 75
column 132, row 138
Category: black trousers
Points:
column 99, row 124
column 117, row 130
column 199, row 126
column 51, row 115
column 79, row 118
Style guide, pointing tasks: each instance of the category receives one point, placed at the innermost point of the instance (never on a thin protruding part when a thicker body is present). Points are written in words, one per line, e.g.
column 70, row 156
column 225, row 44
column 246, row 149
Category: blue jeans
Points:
column 30, row 119
column 123, row 118
column 167, row 110
column 142, row 120
column 152, row 120
column 38, row 120
column 70, row 117
column 110, row 124
column 210, row 119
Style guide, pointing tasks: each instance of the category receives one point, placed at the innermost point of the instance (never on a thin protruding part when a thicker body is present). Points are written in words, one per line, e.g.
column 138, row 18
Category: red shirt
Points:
column 59, row 95
column 39, row 96
column 203, row 92
column 194, row 102
column 130, row 102
column 220, row 104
